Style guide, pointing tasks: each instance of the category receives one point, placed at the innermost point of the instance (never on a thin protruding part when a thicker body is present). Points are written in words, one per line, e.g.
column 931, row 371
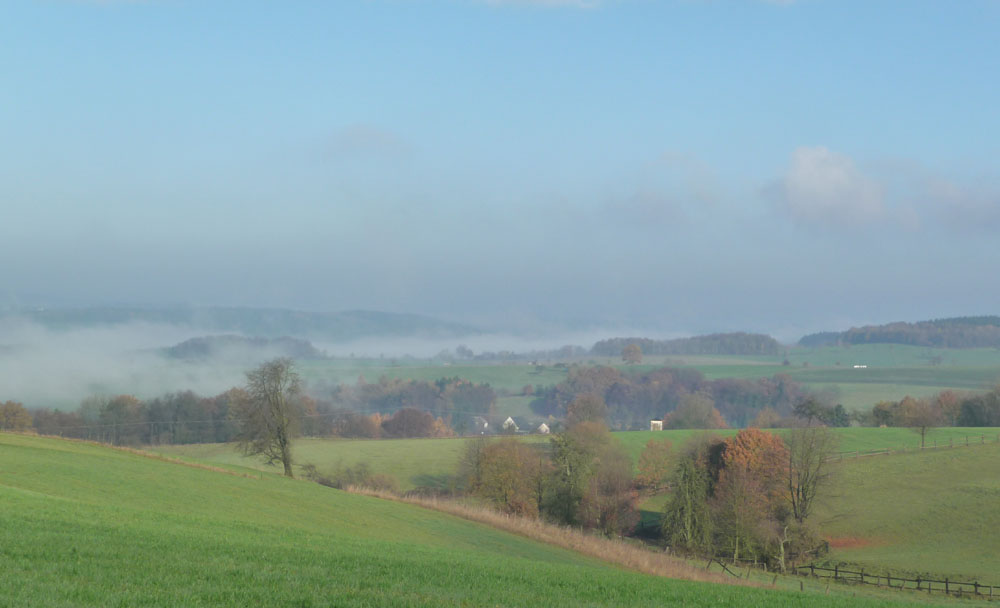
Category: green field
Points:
column 893, row 372
column 85, row 525
column 433, row 462
column 933, row 512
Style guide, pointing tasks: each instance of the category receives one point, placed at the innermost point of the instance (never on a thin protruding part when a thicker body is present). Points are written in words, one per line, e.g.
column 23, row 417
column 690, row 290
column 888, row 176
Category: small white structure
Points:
column 860, row 367
column 656, row 425
column 509, row 426
column 543, row 429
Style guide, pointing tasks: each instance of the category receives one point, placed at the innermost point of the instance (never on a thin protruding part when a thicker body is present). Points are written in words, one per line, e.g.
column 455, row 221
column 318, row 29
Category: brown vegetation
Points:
column 615, row 551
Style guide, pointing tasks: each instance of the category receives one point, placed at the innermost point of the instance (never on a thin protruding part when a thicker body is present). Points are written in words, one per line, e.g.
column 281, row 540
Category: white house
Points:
column 509, row 426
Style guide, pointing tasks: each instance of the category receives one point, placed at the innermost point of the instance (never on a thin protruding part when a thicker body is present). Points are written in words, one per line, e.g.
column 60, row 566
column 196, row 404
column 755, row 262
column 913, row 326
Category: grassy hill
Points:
column 85, row 525
column 931, row 512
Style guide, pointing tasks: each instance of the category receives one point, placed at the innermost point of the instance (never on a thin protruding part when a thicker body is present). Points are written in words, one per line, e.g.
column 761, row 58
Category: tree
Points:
column 632, row 354
column 586, row 408
column 920, row 415
column 507, row 473
column 809, row 452
column 13, row 417
column 654, row 464
column 609, row 504
column 695, row 411
column 687, row 521
column 268, row 418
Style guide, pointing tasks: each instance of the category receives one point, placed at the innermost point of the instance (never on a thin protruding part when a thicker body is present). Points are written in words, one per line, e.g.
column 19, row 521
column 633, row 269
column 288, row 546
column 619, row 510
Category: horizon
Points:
column 678, row 168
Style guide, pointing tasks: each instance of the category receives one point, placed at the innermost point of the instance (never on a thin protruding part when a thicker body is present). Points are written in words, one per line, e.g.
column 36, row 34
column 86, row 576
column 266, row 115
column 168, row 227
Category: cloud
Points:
column 822, row 187
column 964, row 208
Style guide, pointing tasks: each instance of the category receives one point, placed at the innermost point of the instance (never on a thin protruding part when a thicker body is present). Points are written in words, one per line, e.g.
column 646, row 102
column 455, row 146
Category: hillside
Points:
column 86, row 525
column 956, row 332
column 261, row 322
column 207, row 347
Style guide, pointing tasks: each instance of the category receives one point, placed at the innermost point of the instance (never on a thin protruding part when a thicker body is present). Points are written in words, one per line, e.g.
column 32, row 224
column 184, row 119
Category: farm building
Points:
column 509, row 426
column 656, row 425
column 543, row 429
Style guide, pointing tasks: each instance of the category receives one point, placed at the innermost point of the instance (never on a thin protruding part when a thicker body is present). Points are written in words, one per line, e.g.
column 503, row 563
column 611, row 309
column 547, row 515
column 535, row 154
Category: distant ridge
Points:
column 955, row 332
column 738, row 343
column 207, row 347
column 259, row 322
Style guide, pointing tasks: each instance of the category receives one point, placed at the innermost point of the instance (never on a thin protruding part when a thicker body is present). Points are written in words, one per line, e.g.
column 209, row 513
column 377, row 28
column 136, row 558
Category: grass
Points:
column 934, row 512
column 433, row 462
column 86, row 525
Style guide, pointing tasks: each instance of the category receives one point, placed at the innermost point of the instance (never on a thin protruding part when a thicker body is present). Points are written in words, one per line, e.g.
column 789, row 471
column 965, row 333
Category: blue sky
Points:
column 677, row 166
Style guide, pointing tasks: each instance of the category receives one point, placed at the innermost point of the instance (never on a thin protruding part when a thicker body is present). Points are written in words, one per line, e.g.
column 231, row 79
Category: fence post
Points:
column 812, row 570
column 836, row 571
column 946, row 592
column 918, row 582
column 976, row 587
column 966, row 441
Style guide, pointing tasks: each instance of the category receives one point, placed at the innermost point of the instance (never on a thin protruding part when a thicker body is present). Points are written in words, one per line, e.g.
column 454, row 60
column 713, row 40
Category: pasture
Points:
column 893, row 371
column 86, row 525
column 934, row 512
column 433, row 462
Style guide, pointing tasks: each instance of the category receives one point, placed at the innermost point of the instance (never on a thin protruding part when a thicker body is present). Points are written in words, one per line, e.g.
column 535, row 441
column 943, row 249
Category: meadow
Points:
column 433, row 462
column 933, row 512
column 893, row 371
column 87, row 525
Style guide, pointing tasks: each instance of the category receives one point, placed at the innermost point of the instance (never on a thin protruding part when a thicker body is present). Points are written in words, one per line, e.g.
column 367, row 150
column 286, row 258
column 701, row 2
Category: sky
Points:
column 676, row 166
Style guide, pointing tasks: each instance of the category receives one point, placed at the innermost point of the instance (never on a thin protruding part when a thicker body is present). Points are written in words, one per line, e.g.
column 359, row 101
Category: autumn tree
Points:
column 632, row 354
column 654, row 464
column 741, row 511
column 920, row 415
column 506, row 474
column 268, row 417
column 609, row 503
column 586, row 408
column 13, row 417
column 696, row 411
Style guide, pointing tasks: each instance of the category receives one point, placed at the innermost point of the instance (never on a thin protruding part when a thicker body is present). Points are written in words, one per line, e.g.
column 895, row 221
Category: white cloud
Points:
column 822, row 187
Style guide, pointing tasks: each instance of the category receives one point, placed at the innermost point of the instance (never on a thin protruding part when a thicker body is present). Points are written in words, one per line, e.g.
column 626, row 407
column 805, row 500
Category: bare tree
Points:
column 809, row 452
column 268, row 417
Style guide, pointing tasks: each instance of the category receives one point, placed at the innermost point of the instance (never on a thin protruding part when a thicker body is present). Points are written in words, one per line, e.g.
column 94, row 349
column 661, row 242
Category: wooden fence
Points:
column 957, row 588
column 969, row 440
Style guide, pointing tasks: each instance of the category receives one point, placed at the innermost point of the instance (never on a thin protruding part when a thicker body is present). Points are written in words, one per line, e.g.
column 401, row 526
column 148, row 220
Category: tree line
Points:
column 958, row 332
column 737, row 343
column 684, row 398
column 384, row 409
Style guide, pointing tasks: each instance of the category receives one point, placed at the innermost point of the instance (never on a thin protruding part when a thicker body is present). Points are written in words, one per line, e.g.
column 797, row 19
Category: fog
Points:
column 517, row 166
column 43, row 367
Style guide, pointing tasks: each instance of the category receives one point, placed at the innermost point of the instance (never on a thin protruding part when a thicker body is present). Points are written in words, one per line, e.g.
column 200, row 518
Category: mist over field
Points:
column 45, row 367
column 42, row 367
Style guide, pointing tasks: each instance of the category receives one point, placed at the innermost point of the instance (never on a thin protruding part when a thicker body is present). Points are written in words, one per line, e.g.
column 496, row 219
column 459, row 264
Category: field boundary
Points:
column 970, row 440
column 887, row 580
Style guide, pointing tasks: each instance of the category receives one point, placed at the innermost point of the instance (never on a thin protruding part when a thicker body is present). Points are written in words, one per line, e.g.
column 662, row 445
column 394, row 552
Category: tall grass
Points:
column 612, row 550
